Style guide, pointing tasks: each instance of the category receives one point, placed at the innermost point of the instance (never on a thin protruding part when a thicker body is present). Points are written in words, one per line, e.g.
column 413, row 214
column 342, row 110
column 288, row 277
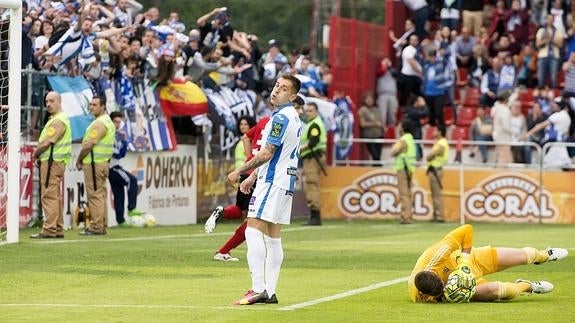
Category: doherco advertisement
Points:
column 167, row 185
column 487, row 195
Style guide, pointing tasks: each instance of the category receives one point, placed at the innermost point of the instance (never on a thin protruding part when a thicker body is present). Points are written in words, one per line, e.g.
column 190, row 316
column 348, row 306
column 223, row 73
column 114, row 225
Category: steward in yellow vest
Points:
column 435, row 162
column 53, row 152
column 93, row 159
column 312, row 152
column 404, row 152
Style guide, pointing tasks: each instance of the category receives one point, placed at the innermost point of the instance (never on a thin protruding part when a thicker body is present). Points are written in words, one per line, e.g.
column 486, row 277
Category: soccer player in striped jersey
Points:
column 455, row 249
column 270, row 207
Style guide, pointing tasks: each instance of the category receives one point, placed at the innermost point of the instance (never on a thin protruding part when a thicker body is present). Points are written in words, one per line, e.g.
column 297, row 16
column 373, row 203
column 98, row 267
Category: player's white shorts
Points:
column 271, row 204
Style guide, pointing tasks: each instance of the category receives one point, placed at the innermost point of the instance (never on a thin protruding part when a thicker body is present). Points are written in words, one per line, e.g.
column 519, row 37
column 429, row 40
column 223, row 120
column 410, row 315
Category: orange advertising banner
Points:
column 488, row 195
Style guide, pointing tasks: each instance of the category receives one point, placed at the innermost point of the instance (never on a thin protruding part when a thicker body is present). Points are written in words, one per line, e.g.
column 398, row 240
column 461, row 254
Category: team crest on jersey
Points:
column 276, row 129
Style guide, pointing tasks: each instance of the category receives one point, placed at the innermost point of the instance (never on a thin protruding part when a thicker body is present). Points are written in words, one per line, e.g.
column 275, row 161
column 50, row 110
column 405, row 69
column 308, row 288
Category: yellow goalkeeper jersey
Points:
column 440, row 258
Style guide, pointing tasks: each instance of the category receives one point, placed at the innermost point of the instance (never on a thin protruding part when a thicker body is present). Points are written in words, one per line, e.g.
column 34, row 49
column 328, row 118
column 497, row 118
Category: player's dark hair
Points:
column 429, row 283
column 295, row 82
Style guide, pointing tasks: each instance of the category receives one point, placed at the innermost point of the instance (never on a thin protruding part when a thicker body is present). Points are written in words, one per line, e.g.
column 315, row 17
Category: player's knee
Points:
column 488, row 292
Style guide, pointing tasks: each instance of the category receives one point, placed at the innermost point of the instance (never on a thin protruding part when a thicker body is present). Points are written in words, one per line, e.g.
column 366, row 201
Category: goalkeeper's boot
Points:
column 538, row 287
column 555, row 254
column 252, row 297
column 272, row 300
column 213, row 219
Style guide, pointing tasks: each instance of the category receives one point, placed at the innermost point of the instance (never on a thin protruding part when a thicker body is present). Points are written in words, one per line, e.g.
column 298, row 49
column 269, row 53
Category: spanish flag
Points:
column 183, row 99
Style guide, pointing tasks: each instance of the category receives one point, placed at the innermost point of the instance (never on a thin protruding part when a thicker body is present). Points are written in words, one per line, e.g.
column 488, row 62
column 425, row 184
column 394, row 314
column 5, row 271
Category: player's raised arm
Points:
column 463, row 235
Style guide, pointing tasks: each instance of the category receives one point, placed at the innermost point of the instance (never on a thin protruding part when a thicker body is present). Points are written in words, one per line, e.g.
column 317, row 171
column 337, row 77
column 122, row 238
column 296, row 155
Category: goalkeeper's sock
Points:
column 535, row 256
column 509, row 291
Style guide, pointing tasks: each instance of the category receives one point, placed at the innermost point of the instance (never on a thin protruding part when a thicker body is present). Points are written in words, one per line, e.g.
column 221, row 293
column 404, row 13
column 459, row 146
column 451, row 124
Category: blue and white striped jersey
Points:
column 283, row 131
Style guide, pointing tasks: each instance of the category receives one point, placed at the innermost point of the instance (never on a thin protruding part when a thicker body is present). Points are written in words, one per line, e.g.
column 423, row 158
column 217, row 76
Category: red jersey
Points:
column 255, row 136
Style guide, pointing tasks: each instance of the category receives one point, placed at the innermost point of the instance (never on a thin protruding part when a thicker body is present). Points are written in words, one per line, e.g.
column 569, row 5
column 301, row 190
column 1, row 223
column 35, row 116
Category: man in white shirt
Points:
column 411, row 74
column 270, row 207
column 556, row 130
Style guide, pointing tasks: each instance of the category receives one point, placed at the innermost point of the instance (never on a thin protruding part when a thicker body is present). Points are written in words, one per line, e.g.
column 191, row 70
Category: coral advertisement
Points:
column 484, row 195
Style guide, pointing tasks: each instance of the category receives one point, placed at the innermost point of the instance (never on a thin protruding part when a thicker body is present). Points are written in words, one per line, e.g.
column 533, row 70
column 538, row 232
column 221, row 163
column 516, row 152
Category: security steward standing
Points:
column 312, row 152
column 435, row 162
column 93, row 159
column 404, row 152
column 53, row 152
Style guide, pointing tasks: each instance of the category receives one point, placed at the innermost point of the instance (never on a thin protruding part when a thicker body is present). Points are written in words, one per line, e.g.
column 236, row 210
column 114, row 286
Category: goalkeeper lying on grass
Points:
column 451, row 270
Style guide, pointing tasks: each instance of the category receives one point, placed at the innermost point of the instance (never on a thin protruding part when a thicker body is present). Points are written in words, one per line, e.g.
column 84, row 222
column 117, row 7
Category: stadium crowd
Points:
column 455, row 60
column 118, row 46
column 475, row 55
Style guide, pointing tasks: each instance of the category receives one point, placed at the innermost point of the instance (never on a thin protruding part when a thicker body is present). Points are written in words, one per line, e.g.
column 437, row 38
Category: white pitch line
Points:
column 175, row 236
column 344, row 294
column 253, row 308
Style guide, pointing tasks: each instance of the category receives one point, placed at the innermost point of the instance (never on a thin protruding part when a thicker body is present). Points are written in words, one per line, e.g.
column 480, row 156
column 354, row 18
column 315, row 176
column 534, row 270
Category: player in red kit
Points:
column 251, row 141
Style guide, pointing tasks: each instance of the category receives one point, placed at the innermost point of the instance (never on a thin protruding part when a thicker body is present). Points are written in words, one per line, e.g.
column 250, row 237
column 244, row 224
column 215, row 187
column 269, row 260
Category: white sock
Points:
column 256, row 258
column 273, row 263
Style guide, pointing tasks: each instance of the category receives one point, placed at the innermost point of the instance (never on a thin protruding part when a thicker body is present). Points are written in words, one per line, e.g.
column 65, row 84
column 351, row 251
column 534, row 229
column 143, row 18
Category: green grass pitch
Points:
column 341, row 272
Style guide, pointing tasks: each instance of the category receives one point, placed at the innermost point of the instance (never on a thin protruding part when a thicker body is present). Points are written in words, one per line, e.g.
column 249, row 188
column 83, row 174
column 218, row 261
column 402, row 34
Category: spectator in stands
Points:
column 218, row 30
column 125, row 10
column 175, row 23
column 464, row 44
column 415, row 111
column 77, row 40
column 400, row 43
column 478, row 65
column 549, row 41
column 387, row 93
column 556, row 130
column 421, row 13
column 517, row 22
column 490, row 83
column 472, row 16
column 526, row 63
column 101, row 16
column 569, row 70
column 508, row 76
column 501, row 115
column 559, row 13
column 506, row 45
column 544, row 97
column 570, row 32
column 201, row 64
column 437, row 76
column 269, row 71
column 497, row 24
column 166, row 68
column 371, row 125
column 450, row 13
column 481, row 129
column 518, row 126
column 410, row 77
column 534, row 117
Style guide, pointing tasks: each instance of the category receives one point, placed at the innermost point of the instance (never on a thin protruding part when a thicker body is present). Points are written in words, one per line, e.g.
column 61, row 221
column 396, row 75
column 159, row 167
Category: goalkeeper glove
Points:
column 463, row 270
